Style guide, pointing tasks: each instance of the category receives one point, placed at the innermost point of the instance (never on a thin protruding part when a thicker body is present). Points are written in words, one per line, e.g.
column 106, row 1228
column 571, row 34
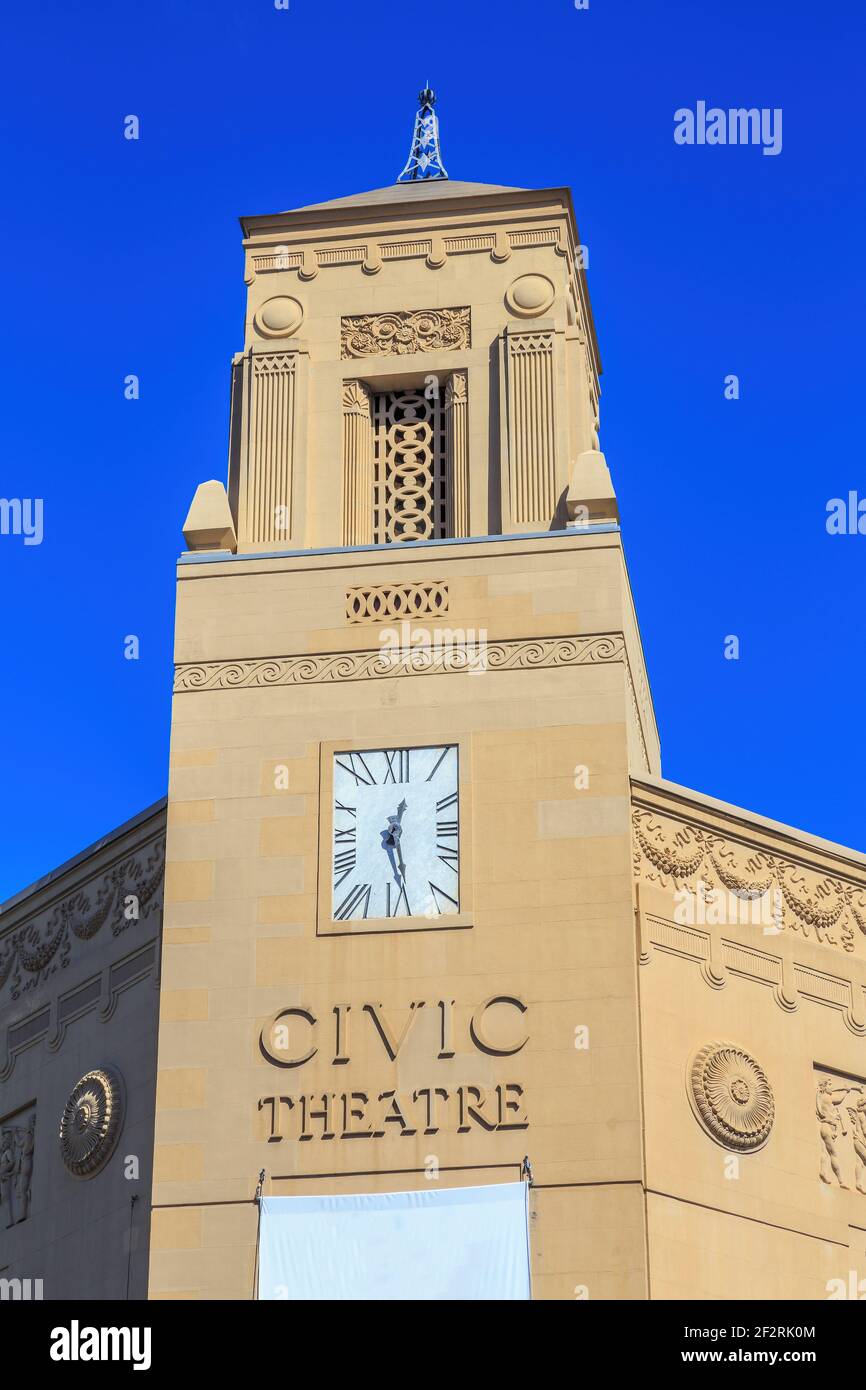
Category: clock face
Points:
column 396, row 840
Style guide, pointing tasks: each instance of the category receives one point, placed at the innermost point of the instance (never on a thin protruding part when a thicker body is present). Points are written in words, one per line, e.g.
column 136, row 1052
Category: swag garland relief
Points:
column 719, row 882
column 126, row 893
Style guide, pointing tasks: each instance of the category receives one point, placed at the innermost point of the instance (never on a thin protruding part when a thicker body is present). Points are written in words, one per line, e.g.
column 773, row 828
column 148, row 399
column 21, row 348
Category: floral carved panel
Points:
column 417, row 330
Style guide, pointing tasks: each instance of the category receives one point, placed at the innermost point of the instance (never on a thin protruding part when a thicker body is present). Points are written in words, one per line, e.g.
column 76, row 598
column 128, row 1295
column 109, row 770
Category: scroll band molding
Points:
column 328, row 667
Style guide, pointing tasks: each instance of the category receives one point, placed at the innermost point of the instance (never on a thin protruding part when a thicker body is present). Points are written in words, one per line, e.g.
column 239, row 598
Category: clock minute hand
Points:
column 393, row 836
column 400, row 810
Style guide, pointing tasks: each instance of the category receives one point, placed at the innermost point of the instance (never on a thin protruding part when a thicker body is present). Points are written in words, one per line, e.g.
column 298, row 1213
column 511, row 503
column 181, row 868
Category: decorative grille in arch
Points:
column 409, row 467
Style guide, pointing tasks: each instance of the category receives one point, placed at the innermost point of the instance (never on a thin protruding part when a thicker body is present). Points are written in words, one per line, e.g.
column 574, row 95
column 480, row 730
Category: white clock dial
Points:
column 396, row 841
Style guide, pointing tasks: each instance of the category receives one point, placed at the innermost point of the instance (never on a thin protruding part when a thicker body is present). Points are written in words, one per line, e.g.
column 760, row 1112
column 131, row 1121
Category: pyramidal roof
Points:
column 420, row 191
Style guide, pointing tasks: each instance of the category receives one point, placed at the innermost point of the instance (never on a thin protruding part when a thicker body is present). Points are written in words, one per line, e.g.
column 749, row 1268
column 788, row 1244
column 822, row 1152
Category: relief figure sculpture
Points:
column 831, row 1126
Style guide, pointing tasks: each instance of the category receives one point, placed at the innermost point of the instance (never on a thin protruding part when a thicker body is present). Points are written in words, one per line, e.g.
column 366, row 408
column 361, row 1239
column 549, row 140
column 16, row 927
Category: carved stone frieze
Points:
column 339, row 666
column 127, row 892
column 817, row 905
column 731, row 1096
column 416, row 330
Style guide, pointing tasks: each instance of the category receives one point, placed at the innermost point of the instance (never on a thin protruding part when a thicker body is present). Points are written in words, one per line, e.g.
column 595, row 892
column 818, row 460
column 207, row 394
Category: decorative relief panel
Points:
column 43, row 943
column 380, row 603
column 731, row 1097
column 679, row 855
column 840, row 1110
column 339, row 666
column 91, row 1122
column 417, row 330
column 408, row 467
column 17, row 1140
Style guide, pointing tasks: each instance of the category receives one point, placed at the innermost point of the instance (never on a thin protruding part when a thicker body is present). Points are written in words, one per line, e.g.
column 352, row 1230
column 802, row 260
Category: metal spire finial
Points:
column 425, row 156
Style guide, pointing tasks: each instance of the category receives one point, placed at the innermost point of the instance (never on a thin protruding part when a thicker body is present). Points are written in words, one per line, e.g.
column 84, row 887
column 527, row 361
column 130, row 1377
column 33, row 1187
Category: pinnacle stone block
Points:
column 209, row 524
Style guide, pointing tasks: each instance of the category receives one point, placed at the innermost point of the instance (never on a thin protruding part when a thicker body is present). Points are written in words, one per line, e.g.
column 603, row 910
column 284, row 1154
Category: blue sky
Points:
column 124, row 257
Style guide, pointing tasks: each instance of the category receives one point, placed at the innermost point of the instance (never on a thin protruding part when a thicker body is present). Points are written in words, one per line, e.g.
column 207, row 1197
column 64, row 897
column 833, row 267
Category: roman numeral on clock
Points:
column 344, row 863
column 398, row 765
column 448, row 857
column 358, row 768
column 442, row 756
column 440, row 893
column 349, row 906
column 391, row 909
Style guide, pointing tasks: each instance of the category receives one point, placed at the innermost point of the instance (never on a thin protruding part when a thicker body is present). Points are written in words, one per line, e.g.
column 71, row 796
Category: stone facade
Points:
column 79, row 962
column 658, row 999
column 752, row 939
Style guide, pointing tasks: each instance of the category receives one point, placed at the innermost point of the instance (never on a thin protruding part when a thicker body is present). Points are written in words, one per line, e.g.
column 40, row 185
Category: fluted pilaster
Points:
column 532, row 482
column 268, row 445
column 357, row 464
column 457, row 453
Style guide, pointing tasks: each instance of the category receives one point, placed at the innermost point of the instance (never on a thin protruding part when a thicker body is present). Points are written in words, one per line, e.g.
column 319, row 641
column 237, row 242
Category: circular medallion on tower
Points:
column 91, row 1122
column 530, row 295
column 279, row 317
column 731, row 1096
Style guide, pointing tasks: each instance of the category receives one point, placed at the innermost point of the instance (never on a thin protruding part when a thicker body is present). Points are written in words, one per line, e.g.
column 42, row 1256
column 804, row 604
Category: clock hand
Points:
column 400, row 809
column 391, row 838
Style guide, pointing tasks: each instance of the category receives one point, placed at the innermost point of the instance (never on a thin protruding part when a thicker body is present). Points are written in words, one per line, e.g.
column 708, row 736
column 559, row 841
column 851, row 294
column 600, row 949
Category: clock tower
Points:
column 399, row 943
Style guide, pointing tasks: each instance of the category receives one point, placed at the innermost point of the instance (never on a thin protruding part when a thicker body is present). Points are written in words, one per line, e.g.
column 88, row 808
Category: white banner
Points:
column 440, row 1243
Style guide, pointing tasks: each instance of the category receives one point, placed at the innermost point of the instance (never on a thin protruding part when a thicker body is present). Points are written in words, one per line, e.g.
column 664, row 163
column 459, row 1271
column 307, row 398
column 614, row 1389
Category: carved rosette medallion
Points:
column 420, row 330
column 731, row 1097
column 91, row 1122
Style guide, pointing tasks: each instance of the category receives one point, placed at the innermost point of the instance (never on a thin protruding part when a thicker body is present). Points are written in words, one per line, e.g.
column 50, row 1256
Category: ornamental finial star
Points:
column 425, row 157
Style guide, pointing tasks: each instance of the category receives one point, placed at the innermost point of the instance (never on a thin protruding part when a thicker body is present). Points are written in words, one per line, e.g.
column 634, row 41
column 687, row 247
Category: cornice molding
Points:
column 49, row 1020
column 371, row 253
